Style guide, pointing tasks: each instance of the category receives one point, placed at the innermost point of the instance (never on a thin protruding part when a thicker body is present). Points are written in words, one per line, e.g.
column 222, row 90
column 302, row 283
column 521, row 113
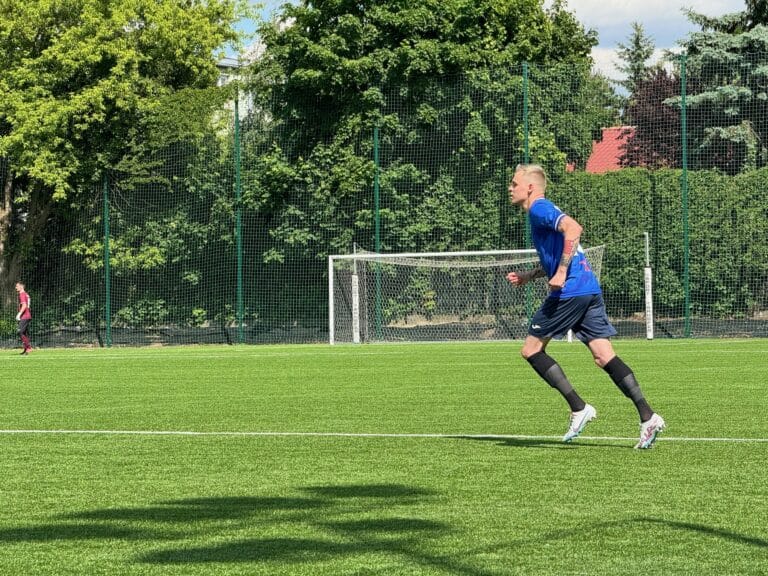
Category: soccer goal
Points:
column 438, row 296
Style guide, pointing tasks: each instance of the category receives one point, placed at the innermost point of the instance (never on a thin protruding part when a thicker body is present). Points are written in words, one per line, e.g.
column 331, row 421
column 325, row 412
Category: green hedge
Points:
column 727, row 229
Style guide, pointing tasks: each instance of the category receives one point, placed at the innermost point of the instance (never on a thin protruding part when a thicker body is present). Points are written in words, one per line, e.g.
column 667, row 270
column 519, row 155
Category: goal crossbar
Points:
column 381, row 256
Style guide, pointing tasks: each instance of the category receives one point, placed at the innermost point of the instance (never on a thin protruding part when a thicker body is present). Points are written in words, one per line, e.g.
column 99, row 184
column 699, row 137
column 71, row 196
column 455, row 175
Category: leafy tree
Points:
column 572, row 106
column 338, row 51
column 443, row 81
column 655, row 140
column 91, row 84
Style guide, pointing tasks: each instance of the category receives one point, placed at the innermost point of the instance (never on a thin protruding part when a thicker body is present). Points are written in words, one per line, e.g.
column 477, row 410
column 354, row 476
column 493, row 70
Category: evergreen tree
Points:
column 634, row 56
column 728, row 61
column 756, row 13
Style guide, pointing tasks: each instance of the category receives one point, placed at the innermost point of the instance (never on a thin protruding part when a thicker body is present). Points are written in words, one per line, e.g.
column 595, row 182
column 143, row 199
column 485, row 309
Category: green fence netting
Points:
column 225, row 239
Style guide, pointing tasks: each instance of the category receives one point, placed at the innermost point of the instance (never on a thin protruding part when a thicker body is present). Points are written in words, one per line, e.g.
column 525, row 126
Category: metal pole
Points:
column 684, row 190
column 377, row 230
column 526, row 149
column 526, row 133
column 238, row 224
column 526, row 160
column 107, row 272
column 331, row 311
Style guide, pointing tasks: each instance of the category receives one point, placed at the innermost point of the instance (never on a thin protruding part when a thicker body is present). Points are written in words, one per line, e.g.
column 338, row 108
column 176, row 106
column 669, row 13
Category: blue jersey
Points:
column 548, row 241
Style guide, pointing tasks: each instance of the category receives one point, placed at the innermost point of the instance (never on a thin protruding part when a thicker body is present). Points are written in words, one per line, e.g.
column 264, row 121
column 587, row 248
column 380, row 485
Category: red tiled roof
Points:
column 607, row 151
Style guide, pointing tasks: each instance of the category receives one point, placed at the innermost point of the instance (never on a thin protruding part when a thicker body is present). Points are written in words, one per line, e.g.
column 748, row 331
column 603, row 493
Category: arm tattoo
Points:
column 569, row 251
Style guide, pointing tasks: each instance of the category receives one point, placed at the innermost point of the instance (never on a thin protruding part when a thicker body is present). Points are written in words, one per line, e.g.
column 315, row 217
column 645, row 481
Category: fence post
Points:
column 526, row 148
column 377, row 227
column 238, row 222
column 526, row 128
column 684, row 193
column 526, row 160
column 107, row 273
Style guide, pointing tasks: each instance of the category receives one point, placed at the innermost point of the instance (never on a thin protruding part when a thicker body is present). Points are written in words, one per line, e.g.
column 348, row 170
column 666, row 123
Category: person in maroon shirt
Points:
column 24, row 317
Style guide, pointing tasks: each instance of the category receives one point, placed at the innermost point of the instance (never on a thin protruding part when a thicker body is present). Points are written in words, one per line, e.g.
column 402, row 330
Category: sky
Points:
column 663, row 22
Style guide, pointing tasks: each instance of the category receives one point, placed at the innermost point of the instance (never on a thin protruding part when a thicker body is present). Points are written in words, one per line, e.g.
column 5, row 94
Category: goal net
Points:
column 433, row 296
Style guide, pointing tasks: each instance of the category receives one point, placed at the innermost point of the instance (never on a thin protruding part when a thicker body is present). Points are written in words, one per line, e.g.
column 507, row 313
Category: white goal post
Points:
column 433, row 296
column 648, row 285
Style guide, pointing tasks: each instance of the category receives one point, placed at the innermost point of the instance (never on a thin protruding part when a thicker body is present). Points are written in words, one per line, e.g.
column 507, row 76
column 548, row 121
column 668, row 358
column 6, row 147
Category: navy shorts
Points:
column 585, row 315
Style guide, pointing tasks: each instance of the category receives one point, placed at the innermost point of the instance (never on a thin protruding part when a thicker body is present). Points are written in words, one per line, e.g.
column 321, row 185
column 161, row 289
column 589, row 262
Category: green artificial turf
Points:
column 387, row 460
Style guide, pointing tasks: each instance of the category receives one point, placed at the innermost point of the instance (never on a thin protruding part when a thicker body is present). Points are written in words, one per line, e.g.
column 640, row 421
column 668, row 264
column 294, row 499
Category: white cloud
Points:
column 663, row 22
column 601, row 13
column 606, row 62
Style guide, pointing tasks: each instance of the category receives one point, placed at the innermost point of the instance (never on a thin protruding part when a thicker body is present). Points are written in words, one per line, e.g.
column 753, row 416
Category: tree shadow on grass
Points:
column 545, row 443
column 116, row 523
column 80, row 531
column 597, row 530
column 401, row 536
column 342, row 521
column 202, row 509
column 341, row 533
column 709, row 531
column 284, row 550
column 587, row 531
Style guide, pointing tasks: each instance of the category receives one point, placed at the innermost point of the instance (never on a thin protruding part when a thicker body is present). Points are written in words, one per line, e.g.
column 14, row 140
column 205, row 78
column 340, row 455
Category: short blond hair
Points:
column 534, row 172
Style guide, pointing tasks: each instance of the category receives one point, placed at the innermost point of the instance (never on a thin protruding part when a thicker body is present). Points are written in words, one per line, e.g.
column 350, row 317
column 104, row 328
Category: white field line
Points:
column 368, row 435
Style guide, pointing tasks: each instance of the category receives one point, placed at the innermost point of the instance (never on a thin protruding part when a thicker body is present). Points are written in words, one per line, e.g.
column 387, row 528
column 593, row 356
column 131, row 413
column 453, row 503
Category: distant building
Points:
column 607, row 152
column 229, row 70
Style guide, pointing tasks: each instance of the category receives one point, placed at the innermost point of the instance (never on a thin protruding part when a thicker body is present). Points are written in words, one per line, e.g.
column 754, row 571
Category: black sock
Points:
column 574, row 401
column 624, row 378
column 546, row 367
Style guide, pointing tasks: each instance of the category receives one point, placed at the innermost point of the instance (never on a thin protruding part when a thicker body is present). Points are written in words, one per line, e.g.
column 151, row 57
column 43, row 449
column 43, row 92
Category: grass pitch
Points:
column 380, row 460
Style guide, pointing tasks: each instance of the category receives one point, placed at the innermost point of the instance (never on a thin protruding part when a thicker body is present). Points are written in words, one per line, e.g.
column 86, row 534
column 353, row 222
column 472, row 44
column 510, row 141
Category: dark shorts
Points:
column 585, row 315
column 24, row 326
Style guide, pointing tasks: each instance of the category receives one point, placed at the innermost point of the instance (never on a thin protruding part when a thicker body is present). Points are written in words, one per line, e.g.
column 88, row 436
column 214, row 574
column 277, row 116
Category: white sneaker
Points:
column 649, row 430
column 578, row 421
